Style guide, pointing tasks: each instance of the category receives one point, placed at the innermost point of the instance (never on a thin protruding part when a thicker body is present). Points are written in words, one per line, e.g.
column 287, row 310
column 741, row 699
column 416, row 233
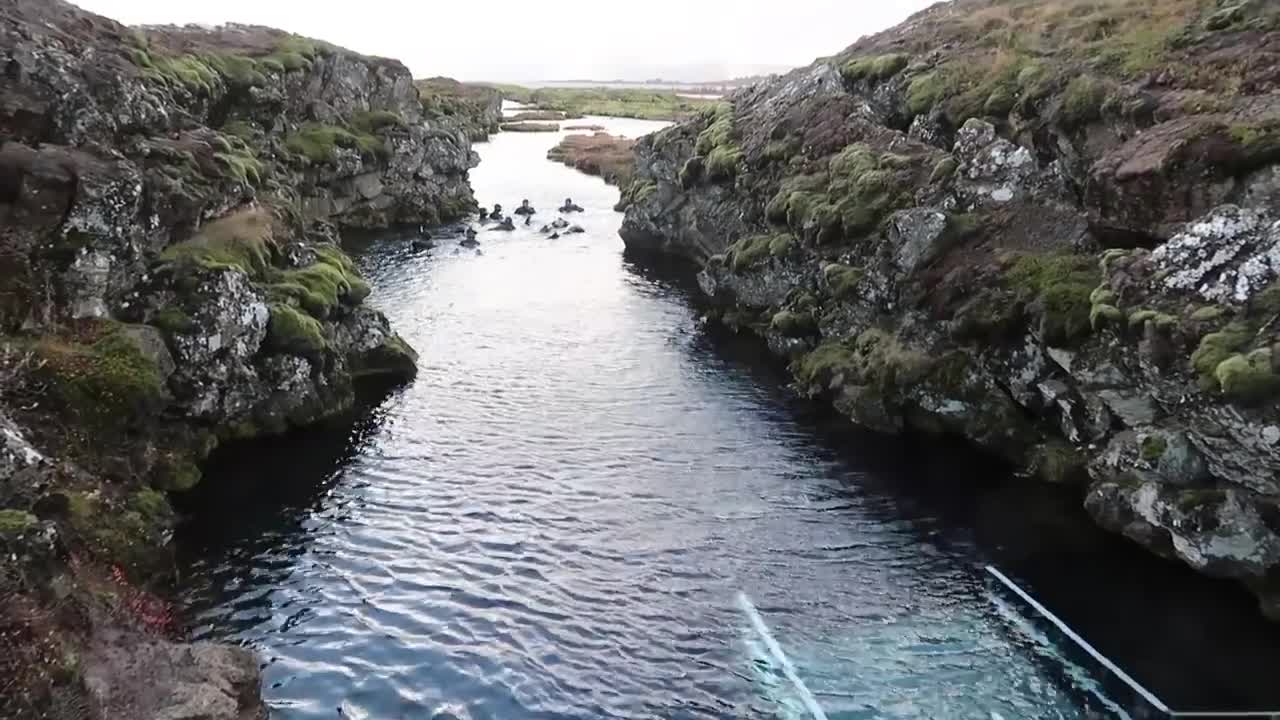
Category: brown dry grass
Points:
column 607, row 156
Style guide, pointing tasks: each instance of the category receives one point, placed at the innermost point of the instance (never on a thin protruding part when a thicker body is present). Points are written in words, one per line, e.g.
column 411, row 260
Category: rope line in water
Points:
column 789, row 670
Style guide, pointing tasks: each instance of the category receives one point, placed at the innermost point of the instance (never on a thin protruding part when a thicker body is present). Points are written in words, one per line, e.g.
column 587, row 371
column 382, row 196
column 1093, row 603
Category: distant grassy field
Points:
column 611, row 102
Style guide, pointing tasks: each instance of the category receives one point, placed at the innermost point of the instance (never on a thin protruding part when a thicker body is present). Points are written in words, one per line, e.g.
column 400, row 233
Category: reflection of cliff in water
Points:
column 259, row 494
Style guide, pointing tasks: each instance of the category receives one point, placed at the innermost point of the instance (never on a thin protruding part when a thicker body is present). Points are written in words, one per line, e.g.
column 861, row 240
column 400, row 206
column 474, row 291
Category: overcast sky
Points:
column 506, row 40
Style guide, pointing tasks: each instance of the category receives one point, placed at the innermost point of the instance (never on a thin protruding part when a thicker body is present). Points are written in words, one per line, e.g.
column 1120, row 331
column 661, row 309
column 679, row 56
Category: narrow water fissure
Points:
column 557, row 518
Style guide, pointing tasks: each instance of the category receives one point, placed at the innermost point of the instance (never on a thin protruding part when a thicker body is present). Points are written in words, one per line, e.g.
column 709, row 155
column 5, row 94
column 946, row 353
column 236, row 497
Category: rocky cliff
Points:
column 171, row 280
column 1050, row 228
column 477, row 108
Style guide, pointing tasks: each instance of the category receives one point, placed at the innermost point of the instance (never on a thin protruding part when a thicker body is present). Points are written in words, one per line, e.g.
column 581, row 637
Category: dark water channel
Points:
column 558, row 518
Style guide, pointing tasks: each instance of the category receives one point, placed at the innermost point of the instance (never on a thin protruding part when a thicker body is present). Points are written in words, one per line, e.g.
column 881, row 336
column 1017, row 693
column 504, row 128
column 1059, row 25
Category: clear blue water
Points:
column 556, row 519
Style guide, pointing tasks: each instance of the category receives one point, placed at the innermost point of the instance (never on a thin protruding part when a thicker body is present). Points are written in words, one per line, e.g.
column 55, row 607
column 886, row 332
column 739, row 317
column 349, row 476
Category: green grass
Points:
column 610, row 102
column 319, row 143
column 875, row 69
column 1082, row 101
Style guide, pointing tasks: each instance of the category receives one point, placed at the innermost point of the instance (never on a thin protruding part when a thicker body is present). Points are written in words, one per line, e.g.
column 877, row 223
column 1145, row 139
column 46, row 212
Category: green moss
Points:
column 886, row 363
column 1102, row 295
column 241, row 130
column 780, row 206
column 1152, row 447
column 722, row 163
column 323, row 285
column 176, row 473
column 719, row 132
column 875, row 69
column 375, row 121
column 691, row 172
column 944, row 170
column 751, row 250
column 1139, row 318
column 854, row 161
column 292, row 54
column 139, row 57
column 827, row 361
column 320, row 143
column 189, row 72
column 1059, row 287
column 842, row 279
column 126, row 533
column 779, row 150
column 101, row 378
column 1034, row 82
column 151, row 505
column 864, row 187
column 173, row 320
column 1257, row 140
column 243, row 241
column 793, row 324
column 238, row 71
column 1103, row 315
column 16, row 522
column 1082, row 101
column 242, row 166
column 1211, row 313
column 293, row 332
column 1248, row 378
column 925, row 91
column 876, row 359
column 1215, row 348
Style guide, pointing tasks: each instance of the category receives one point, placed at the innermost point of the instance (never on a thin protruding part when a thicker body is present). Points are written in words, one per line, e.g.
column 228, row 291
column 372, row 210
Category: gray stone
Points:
column 917, row 235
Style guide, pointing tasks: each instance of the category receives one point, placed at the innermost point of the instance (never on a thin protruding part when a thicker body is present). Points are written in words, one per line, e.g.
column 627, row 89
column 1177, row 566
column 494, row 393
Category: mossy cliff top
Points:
column 1045, row 227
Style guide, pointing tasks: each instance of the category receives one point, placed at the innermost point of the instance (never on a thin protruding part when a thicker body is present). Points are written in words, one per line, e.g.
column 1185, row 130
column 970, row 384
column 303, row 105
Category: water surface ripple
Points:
column 555, row 520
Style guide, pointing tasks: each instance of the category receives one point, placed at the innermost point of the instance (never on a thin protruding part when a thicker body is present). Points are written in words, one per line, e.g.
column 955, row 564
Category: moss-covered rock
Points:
column 717, row 143
column 393, row 358
column 842, row 279
column 293, row 332
column 875, row 69
column 1102, row 315
column 1217, row 347
column 1248, row 379
column 16, row 522
column 749, row 251
column 1152, row 447
column 319, row 144
column 1059, row 287
column 243, row 241
column 793, row 324
column 100, row 377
